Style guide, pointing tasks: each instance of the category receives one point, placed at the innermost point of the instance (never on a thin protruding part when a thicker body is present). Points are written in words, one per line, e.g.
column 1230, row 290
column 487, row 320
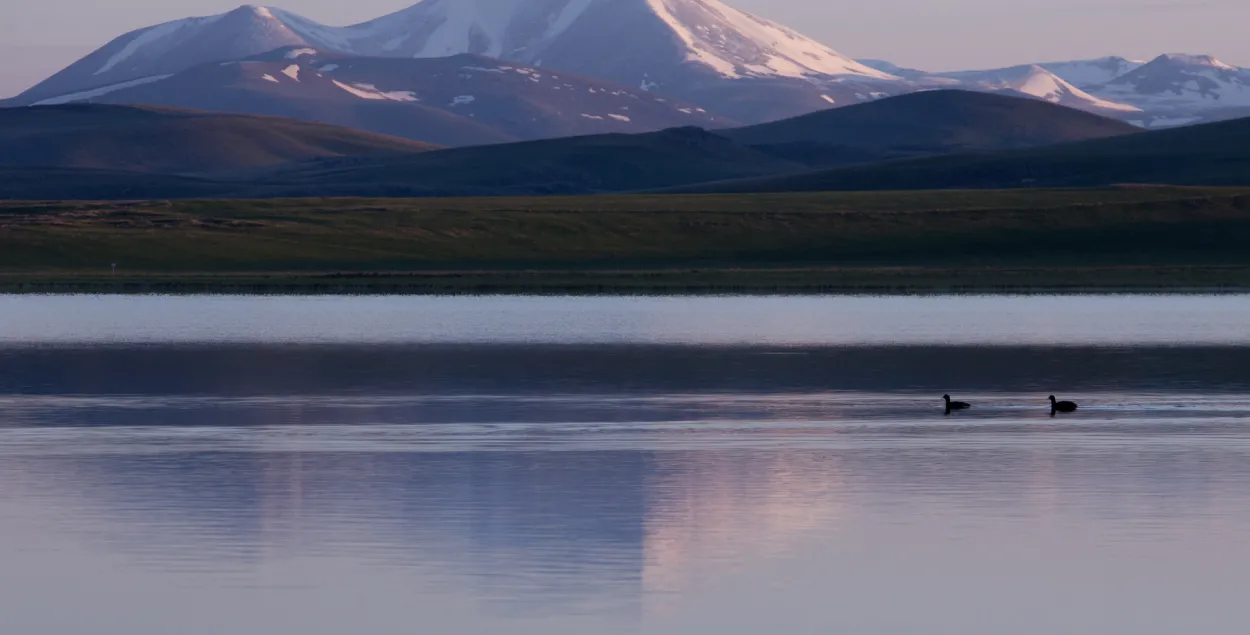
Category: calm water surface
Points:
column 623, row 465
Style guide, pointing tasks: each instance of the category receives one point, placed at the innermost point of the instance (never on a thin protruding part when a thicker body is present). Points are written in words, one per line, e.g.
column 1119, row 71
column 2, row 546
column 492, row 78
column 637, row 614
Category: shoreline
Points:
column 693, row 281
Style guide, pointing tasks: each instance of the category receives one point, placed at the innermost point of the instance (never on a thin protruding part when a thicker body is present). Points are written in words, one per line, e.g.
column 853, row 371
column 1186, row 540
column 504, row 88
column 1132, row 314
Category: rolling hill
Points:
column 1209, row 154
column 172, row 141
column 574, row 165
column 234, row 156
column 925, row 123
column 84, row 184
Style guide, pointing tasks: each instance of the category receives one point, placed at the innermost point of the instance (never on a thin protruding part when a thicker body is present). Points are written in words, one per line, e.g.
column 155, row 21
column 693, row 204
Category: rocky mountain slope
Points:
column 674, row 47
column 451, row 101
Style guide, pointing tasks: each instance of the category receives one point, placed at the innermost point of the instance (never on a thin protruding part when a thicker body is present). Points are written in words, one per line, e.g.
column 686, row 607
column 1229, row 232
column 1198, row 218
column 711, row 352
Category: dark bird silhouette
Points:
column 1061, row 406
column 955, row 405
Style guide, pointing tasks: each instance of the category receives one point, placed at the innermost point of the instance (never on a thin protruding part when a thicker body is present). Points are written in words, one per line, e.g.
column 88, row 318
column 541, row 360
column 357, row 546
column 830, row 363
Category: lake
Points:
column 561, row 466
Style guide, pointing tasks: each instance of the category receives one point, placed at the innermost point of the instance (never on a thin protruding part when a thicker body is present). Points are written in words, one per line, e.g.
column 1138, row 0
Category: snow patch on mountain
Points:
column 736, row 44
column 1197, row 60
column 1043, row 84
column 369, row 91
column 1083, row 73
column 153, row 35
column 100, row 92
column 1179, row 85
column 1038, row 82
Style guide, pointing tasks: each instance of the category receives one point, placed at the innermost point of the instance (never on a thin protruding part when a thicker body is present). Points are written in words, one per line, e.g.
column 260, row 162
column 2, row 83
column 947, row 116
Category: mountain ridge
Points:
column 645, row 43
column 451, row 101
column 1168, row 90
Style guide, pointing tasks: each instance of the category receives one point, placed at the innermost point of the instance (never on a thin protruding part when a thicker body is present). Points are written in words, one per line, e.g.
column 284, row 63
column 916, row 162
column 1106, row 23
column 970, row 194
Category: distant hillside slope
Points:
column 1210, row 154
column 170, row 141
column 69, row 184
column 574, row 165
column 925, row 123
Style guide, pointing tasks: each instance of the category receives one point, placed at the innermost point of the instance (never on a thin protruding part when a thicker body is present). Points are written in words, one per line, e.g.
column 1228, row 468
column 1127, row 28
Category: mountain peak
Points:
column 608, row 38
column 1041, row 82
column 1177, row 88
column 254, row 9
column 1183, row 59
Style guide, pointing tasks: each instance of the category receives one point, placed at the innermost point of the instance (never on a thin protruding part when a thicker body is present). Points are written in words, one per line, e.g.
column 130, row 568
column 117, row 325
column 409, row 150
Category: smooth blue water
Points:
column 630, row 465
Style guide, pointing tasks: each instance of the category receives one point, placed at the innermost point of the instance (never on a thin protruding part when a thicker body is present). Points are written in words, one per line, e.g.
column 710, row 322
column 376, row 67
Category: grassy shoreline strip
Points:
column 1109, row 239
column 882, row 280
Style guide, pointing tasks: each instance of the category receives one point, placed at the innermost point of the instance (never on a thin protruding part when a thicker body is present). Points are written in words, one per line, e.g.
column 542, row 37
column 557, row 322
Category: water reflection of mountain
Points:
column 596, row 530
column 569, row 531
column 483, row 369
column 560, row 530
column 707, row 511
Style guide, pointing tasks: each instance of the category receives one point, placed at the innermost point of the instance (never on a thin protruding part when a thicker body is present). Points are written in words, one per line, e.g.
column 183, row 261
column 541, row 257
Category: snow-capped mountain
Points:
column 624, row 40
column 1176, row 89
column 169, row 48
column 732, row 64
column 660, row 45
column 1170, row 90
column 451, row 101
column 1082, row 73
column 1079, row 73
column 1036, row 81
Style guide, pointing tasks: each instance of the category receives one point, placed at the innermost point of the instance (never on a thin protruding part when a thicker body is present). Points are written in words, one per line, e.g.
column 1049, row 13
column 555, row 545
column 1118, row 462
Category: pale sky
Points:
column 39, row 38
